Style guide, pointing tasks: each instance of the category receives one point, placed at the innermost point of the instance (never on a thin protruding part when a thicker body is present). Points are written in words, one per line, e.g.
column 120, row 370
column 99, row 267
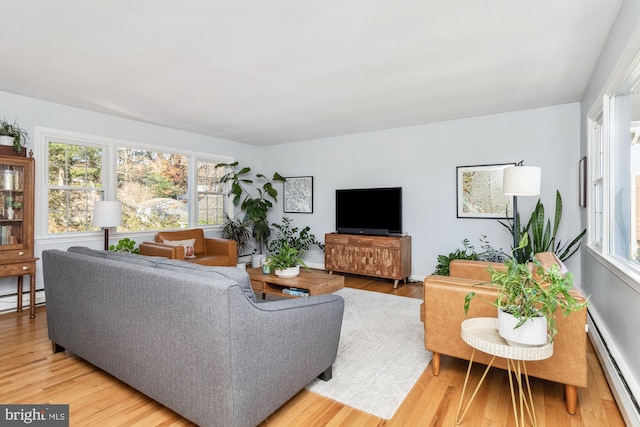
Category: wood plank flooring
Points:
column 31, row 374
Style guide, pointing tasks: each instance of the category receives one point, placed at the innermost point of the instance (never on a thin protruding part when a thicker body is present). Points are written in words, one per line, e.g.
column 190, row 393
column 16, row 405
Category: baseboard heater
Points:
column 622, row 392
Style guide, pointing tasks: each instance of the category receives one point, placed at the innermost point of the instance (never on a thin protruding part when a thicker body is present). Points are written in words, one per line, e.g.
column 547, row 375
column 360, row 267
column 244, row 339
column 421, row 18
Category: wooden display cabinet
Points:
column 378, row 256
column 16, row 223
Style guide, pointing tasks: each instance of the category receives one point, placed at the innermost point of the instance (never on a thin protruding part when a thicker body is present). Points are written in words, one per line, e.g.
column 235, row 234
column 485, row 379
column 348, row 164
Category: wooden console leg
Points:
column 435, row 364
column 571, row 394
column 395, row 283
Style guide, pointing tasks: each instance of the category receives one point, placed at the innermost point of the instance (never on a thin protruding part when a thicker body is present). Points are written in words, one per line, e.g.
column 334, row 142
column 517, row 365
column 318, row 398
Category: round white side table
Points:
column 481, row 333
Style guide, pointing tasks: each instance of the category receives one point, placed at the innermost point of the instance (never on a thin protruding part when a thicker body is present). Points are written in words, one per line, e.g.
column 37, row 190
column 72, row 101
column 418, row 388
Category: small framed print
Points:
column 298, row 194
column 479, row 192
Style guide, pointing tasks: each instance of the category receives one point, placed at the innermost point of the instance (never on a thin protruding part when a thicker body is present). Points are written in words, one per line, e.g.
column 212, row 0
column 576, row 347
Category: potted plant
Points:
column 541, row 235
column 237, row 229
column 528, row 294
column 255, row 207
column 286, row 261
column 125, row 245
column 287, row 249
column 12, row 135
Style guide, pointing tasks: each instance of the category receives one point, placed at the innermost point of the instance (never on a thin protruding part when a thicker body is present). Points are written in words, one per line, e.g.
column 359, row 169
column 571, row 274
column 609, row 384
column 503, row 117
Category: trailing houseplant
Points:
column 541, row 234
column 256, row 205
column 468, row 252
column 238, row 229
column 531, row 290
column 12, row 130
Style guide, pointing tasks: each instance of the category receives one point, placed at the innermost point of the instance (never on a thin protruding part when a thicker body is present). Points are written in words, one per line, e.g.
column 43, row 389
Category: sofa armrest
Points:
column 160, row 249
column 224, row 247
column 294, row 340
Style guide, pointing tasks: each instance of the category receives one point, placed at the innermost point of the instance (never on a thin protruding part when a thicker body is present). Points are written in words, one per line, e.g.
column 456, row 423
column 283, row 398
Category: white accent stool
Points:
column 481, row 333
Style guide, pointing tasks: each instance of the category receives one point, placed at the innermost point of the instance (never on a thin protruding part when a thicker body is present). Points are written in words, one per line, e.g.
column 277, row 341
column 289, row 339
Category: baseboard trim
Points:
column 620, row 387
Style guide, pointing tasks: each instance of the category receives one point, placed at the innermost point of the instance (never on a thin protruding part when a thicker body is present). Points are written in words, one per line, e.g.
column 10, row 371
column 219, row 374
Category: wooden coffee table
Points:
column 314, row 281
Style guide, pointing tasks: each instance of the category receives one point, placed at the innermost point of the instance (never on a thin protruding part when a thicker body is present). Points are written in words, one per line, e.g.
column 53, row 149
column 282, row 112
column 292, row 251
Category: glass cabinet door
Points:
column 13, row 230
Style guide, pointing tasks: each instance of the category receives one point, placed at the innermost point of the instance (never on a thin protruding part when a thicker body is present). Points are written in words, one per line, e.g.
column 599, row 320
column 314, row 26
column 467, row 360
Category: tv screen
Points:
column 375, row 211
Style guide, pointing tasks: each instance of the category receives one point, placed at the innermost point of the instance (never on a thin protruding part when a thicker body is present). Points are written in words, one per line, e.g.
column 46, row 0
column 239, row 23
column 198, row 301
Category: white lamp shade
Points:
column 107, row 214
column 521, row 181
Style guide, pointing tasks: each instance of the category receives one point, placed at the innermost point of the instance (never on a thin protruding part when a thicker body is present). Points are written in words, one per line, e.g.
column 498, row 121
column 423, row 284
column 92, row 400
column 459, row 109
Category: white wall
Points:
column 32, row 112
column 423, row 159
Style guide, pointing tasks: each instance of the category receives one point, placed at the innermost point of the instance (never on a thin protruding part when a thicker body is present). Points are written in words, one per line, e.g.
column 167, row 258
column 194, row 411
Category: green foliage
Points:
column 125, row 245
column 541, row 234
column 286, row 257
column 286, row 236
column 287, row 249
column 255, row 208
column 12, row 129
column 468, row 252
column 238, row 230
column 528, row 290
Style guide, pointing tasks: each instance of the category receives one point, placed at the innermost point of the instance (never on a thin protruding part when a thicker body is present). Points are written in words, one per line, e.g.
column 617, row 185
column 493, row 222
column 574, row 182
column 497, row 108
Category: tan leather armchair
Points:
column 207, row 251
column 443, row 312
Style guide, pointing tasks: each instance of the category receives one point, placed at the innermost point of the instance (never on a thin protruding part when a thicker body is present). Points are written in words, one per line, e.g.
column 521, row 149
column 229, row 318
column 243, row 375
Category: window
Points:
column 74, row 183
column 211, row 196
column 153, row 188
column 154, row 185
column 597, row 172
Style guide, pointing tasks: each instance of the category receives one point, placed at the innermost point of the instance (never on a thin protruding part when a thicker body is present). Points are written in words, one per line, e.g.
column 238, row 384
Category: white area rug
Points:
column 381, row 353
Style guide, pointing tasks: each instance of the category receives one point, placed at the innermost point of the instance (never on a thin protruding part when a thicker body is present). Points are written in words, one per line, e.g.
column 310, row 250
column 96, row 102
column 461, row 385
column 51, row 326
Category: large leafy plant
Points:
column 542, row 234
column 255, row 205
column 288, row 247
column 528, row 290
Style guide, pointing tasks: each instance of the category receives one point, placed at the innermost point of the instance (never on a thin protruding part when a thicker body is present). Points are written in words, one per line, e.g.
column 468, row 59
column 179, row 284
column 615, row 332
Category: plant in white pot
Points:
column 288, row 247
column 12, row 135
column 529, row 295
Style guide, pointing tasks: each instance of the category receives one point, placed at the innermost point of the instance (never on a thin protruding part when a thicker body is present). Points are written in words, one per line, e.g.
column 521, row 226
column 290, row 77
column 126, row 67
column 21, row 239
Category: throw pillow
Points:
column 187, row 244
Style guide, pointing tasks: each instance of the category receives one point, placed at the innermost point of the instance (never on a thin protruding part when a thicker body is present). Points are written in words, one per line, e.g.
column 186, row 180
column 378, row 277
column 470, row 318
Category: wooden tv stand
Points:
column 377, row 256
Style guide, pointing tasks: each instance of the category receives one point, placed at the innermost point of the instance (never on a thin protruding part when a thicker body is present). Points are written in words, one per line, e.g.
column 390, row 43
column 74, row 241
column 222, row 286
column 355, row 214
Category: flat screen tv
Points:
column 375, row 211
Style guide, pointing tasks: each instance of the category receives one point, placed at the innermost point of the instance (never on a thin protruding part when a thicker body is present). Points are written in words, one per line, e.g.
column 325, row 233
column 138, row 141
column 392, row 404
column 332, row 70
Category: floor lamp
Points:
column 107, row 214
column 520, row 180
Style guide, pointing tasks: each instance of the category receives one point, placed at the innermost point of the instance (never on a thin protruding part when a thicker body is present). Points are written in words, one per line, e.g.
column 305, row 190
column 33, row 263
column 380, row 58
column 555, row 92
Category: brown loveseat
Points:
column 443, row 313
column 207, row 251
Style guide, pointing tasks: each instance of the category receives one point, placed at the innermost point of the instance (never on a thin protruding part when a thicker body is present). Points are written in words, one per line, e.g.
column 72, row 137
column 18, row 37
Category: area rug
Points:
column 381, row 353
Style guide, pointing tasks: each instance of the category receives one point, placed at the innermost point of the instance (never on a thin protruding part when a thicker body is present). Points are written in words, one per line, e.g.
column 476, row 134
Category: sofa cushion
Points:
column 194, row 233
column 187, row 244
column 232, row 273
column 149, row 261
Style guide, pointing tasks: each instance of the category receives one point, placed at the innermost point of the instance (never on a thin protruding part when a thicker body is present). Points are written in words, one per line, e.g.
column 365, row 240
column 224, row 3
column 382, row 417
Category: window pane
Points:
column 625, row 161
column 71, row 210
column 211, row 199
column 152, row 187
column 75, row 181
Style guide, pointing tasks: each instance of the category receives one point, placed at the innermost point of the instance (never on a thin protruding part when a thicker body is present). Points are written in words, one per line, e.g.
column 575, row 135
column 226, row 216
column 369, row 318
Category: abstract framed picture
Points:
column 479, row 192
column 298, row 194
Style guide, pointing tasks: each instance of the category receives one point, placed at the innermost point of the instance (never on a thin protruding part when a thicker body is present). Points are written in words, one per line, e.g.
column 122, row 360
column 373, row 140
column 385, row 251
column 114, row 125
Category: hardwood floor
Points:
column 31, row 374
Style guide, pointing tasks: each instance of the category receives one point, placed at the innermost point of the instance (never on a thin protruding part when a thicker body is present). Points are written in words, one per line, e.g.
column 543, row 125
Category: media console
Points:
column 377, row 256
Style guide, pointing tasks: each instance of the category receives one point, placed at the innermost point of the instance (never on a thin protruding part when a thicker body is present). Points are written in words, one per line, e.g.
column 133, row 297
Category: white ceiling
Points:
column 269, row 72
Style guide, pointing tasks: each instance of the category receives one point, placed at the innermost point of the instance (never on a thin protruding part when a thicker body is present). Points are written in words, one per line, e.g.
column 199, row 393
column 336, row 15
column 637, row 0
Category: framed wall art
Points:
column 298, row 194
column 479, row 192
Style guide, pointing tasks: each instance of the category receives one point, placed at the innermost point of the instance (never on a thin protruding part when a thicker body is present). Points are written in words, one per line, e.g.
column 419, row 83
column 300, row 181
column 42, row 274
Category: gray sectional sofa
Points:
column 193, row 338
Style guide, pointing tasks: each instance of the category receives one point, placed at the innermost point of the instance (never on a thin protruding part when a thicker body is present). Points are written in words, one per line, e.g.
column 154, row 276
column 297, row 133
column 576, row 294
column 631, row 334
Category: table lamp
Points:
column 520, row 180
column 107, row 214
